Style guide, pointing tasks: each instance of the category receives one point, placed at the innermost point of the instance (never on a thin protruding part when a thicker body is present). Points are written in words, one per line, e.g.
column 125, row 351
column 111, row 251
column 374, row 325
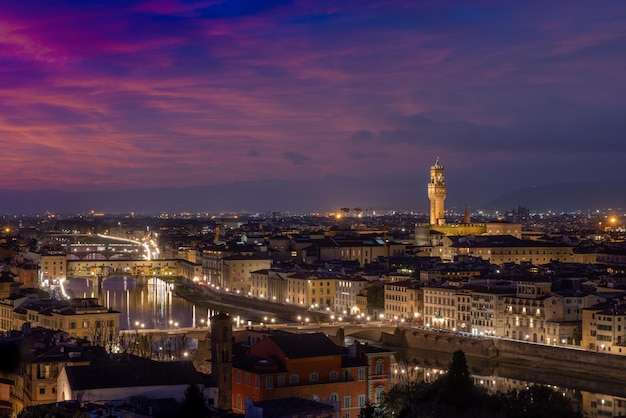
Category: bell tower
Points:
column 221, row 359
column 437, row 194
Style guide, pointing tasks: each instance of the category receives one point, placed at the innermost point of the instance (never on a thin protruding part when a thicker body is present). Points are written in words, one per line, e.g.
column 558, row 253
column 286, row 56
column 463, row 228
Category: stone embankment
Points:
column 504, row 351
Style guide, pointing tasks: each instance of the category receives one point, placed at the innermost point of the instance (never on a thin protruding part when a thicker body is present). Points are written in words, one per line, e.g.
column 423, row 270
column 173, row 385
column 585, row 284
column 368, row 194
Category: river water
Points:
column 152, row 303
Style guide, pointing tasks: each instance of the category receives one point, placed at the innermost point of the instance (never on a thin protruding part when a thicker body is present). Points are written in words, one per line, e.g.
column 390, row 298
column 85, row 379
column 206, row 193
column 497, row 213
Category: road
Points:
column 256, row 310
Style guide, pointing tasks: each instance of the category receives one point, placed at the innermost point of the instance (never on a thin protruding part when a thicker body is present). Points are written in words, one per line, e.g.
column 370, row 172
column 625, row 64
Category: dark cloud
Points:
column 296, row 158
column 581, row 131
column 362, row 136
column 367, row 155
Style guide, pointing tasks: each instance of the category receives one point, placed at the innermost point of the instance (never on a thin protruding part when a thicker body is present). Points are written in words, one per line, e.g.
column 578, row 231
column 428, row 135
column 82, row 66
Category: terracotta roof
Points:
column 306, row 345
column 132, row 375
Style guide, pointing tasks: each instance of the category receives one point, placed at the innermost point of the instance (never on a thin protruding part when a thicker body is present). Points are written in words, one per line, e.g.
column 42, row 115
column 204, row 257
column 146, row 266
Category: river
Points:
column 151, row 303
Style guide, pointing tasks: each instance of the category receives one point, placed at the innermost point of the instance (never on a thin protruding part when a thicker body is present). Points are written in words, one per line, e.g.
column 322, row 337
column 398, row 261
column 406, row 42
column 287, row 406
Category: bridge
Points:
column 100, row 247
column 371, row 331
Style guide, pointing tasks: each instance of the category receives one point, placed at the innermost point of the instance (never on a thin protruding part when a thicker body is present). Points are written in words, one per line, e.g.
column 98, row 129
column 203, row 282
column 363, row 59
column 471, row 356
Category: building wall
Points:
column 504, row 228
column 65, row 393
column 440, row 308
column 236, row 272
column 604, row 331
column 298, row 290
column 461, row 229
column 345, row 290
column 322, row 291
column 259, row 284
column 27, row 275
column 53, row 267
column 89, row 323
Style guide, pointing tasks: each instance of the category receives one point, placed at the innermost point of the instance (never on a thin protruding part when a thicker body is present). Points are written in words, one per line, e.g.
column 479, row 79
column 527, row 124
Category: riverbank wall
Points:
column 508, row 351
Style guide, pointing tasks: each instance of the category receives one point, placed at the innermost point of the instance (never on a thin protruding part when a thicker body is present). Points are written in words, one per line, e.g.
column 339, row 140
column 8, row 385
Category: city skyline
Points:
column 330, row 104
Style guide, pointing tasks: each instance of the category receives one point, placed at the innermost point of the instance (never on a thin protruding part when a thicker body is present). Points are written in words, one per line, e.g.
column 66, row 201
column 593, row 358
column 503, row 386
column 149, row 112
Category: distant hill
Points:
column 564, row 197
column 268, row 195
column 299, row 196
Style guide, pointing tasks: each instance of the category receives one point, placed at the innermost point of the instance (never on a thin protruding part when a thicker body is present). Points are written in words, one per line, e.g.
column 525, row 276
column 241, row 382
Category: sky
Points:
column 106, row 95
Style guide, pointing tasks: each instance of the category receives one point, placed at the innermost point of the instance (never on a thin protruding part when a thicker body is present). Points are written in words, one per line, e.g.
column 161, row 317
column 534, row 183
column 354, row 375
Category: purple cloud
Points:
column 176, row 93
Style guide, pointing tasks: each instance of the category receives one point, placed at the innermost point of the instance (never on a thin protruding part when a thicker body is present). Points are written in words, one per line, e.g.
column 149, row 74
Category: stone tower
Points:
column 222, row 359
column 437, row 194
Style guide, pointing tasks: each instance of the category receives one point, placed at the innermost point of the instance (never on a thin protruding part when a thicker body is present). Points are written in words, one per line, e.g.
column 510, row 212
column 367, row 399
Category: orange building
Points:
column 311, row 366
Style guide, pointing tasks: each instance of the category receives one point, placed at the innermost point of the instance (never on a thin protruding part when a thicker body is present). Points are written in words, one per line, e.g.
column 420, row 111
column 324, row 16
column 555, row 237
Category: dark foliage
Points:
column 454, row 395
column 194, row 404
column 457, row 387
column 376, row 296
column 10, row 356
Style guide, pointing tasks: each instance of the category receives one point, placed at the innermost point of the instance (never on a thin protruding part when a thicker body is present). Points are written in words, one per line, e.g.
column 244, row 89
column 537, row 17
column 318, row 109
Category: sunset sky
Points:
column 133, row 94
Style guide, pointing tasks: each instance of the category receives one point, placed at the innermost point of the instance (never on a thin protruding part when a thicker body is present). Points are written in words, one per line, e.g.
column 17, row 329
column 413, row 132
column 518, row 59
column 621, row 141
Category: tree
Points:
column 457, row 386
column 577, row 335
column 194, row 404
column 369, row 410
column 52, row 411
column 376, row 297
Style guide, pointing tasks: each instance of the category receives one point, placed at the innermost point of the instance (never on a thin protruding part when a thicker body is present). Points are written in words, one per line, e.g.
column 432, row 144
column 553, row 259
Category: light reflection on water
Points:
column 144, row 303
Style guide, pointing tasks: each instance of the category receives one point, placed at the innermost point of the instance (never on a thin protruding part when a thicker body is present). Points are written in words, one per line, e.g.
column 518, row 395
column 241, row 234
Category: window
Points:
column 257, row 382
column 239, row 402
column 379, row 367
column 333, row 375
column 269, row 382
column 293, row 379
column 347, row 401
column 247, row 379
column 361, row 373
column 361, row 401
column 378, row 394
column 334, row 397
column 314, row 377
column 281, row 381
column 239, row 376
column 42, row 391
column 346, row 375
